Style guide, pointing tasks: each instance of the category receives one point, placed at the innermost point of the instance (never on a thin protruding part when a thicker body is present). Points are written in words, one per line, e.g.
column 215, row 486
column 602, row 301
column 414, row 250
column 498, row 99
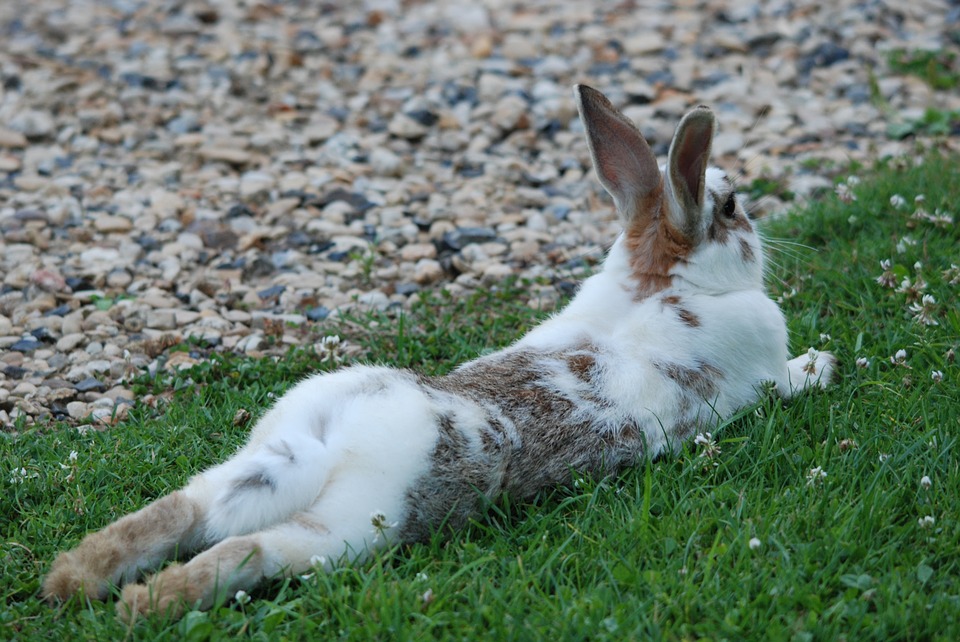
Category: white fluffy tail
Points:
column 265, row 486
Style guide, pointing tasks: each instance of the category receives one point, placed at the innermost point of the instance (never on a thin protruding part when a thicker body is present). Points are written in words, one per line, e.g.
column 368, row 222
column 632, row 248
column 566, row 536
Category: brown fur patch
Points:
column 581, row 364
column 654, row 245
column 701, row 381
column 539, row 436
column 688, row 317
column 746, row 252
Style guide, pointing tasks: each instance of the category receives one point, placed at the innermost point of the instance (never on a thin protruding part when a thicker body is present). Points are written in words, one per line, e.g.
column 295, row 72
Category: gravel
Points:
column 240, row 172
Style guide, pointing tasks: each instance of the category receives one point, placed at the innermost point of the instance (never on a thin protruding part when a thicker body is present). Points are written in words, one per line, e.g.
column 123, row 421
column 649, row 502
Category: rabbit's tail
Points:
column 265, row 485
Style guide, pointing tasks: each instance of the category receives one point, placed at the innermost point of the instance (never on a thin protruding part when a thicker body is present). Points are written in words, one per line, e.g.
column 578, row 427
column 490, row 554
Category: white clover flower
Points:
column 925, row 482
column 379, row 521
column 816, row 475
column 913, row 289
column 927, row 521
column 937, row 376
column 863, row 362
column 887, row 279
column 847, row 444
column 919, row 198
column 330, row 348
column 941, row 218
column 318, row 560
column 882, row 457
column 73, row 456
column 844, row 193
column 427, row 596
column 810, row 367
column 824, row 338
column 241, row 597
column 421, row 577
column 904, row 243
column 708, row 447
column 754, row 543
column 952, row 274
column 898, row 201
column 924, row 310
column 899, row 358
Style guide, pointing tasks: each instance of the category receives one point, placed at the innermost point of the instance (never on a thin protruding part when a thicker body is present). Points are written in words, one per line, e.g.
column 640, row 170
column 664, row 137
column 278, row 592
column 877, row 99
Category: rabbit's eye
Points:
column 730, row 206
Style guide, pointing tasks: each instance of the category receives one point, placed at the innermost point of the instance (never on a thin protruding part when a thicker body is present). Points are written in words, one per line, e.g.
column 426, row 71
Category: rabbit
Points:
column 672, row 335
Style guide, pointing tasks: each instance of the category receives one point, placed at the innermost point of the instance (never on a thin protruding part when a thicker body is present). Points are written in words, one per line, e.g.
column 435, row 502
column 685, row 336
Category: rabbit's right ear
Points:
column 625, row 165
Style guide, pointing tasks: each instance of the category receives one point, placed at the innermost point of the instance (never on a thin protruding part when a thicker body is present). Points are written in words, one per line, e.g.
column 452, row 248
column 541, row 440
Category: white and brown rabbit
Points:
column 673, row 335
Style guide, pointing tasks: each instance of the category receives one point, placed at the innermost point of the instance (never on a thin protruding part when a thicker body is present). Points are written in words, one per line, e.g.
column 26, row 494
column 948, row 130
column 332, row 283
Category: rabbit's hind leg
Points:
column 242, row 562
column 360, row 508
column 257, row 488
column 117, row 553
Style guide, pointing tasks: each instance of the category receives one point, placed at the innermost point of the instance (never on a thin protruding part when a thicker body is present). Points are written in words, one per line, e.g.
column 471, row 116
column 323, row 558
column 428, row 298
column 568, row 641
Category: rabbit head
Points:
column 683, row 224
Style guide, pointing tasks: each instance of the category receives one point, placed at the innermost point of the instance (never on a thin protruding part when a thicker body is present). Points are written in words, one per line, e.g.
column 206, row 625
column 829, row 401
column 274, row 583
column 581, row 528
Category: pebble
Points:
column 32, row 123
column 272, row 168
column 12, row 139
column 9, row 163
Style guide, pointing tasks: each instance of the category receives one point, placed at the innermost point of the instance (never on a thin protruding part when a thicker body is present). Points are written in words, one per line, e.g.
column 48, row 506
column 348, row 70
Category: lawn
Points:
column 836, row 516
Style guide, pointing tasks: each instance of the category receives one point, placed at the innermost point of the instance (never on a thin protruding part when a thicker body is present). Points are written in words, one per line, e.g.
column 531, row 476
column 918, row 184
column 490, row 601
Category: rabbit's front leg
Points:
column 814, row 368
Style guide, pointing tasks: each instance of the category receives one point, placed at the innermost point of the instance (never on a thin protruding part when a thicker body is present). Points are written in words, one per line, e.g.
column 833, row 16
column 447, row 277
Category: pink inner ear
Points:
column 622, row 157
column 692, row 156
column 623, row 160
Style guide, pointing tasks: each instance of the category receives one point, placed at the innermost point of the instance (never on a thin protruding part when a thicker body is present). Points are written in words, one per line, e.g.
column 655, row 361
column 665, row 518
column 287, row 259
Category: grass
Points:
column 661, row 551
column 938, row 68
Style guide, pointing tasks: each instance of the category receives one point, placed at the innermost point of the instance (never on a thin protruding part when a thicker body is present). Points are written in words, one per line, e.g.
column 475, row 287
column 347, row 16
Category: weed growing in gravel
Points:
column 834, row 516
column 938, row 68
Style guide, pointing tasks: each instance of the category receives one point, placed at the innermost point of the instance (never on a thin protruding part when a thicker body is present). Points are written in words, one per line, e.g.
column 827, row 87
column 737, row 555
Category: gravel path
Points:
column 237, row 171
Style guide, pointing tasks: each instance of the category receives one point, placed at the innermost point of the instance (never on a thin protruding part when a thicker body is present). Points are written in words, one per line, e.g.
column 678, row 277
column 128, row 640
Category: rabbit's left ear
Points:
column 687, row 168
column 625, row 165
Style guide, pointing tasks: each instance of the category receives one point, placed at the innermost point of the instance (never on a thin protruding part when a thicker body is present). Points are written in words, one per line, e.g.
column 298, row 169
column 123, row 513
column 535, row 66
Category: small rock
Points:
column 49, row 280
column 321, row 129
column 15, row 372
column 112, row 224
column 161, row 320
column 318, row 313
column 463, row 236
column 9, row 163
column 402, row 126
column 427, row 271
column 416, row 251
column 24, row 389
column 90, row 385
column 12, row 139
column 256, row 184
column 69, row 342
column 78, row 410
column 510, row 113
column 386, row 163
column 25, row 345
column 644, row 43
column 32, row 123
column 228, row 155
